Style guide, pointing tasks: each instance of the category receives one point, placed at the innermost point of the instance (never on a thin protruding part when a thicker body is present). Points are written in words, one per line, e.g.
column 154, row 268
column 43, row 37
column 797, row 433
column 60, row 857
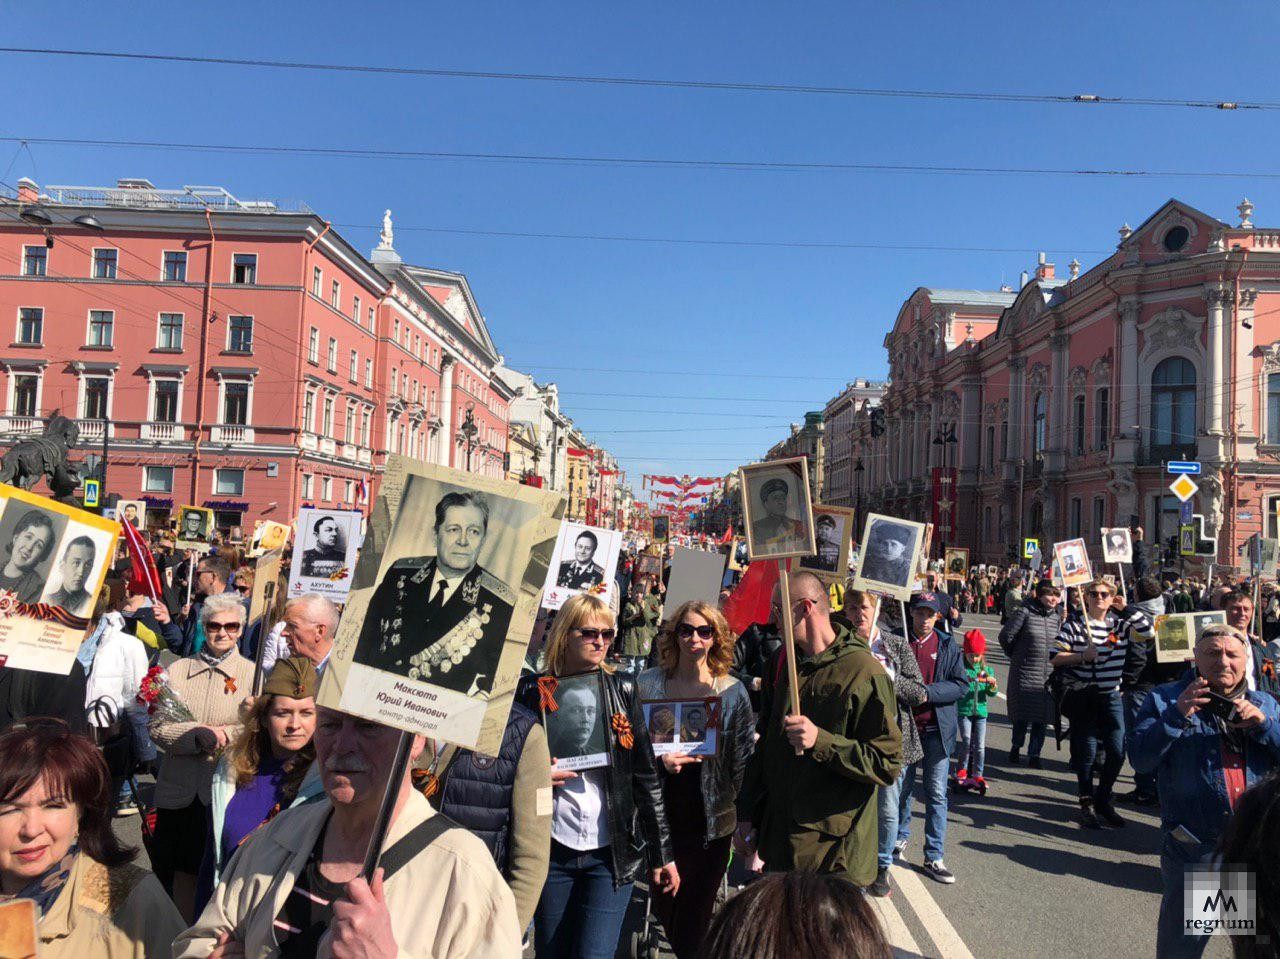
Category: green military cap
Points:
column 294, row 677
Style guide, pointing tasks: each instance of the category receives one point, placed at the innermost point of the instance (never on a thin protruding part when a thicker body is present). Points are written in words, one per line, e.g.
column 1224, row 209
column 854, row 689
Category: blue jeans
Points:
column 973, row 744
column 887, row 801
column 933, row 772
column 1176, row 857
column 1020, row 728
column 580, row 913
column 1145, row 782
column 1101, row 726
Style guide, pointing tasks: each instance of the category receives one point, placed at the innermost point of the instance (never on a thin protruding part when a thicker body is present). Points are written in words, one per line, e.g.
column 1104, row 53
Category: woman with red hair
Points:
column 57, row 849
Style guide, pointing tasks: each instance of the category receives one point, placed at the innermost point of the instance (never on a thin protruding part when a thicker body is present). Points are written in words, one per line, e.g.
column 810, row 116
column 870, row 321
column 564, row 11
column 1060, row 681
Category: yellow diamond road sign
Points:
column 1184, row 487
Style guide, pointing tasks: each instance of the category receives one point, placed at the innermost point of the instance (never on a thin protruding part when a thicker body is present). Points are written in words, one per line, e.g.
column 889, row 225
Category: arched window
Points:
column 1039, row 423
column 1173, row 402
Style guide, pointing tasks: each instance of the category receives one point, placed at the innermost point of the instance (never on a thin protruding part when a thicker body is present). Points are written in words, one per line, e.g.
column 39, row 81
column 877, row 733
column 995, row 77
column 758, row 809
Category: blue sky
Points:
column 687, row 319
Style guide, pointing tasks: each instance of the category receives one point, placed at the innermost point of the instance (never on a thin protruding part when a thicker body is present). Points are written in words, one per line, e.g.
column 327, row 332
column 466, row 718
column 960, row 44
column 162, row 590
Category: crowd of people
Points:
column 264, row 803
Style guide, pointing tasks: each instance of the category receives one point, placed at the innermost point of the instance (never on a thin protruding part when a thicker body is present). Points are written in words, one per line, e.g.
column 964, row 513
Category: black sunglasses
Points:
column 590, row 632
column 685, row 630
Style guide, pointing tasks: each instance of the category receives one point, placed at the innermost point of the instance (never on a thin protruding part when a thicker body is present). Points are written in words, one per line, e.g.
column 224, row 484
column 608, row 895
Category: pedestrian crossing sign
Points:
column 92, row 490
column 1030, row 547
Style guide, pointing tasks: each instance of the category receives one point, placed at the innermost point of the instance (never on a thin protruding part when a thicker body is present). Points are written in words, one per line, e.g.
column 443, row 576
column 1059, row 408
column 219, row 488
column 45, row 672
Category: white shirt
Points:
column 881, row 652
column 580, row 812
column 116, row 676
column 446, row 587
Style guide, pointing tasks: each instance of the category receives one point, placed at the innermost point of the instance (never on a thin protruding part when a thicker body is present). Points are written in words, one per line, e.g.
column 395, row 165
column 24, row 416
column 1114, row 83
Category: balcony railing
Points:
column 21, row 425
column 162, row 432
column 223, row 433
column 92, row 429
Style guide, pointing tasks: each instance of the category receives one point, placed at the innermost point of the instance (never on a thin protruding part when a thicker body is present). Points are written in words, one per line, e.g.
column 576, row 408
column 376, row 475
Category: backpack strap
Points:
column 417, row 839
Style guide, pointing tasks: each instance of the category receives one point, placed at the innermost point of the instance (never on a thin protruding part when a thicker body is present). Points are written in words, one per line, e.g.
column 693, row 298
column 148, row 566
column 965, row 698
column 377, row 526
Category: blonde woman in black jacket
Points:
column 606, row 820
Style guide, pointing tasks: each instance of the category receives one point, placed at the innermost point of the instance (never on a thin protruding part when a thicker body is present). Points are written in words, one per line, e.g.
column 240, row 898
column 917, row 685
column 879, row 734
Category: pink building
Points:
column 1054, row 409
column 235, row 354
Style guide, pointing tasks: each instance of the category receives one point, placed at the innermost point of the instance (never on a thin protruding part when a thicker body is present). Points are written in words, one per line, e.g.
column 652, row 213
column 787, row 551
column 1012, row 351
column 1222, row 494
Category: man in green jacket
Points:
column 817, row 811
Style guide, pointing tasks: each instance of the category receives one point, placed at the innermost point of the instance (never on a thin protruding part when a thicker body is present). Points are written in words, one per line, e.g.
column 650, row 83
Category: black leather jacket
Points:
column 637, row 819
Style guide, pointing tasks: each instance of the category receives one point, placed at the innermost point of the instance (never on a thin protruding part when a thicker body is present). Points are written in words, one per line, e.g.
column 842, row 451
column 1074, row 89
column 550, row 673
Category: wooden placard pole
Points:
column 789, row 638
column 399, row 769
column 191, row 575
column 1123, row 590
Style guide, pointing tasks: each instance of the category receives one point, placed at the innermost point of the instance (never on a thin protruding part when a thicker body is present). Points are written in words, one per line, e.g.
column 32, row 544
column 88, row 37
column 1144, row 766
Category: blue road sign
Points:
column 1183, row 466
column 1184, row 512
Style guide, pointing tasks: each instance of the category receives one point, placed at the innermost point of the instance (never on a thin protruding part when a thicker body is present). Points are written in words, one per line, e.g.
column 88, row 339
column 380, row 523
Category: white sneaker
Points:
column 938, row 870
column 899, row 848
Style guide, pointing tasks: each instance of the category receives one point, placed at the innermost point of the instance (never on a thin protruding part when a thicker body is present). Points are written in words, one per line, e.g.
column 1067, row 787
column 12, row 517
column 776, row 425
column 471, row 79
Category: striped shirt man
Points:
column 1111, row 637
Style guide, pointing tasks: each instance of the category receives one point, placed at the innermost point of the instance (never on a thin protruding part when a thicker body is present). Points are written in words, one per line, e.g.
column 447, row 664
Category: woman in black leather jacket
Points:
column 604, row 820
column 695, row 655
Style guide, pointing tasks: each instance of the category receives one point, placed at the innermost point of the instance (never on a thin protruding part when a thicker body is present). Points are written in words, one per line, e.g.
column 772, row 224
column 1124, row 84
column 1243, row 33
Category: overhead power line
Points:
column 664, row 163
column 660, row 83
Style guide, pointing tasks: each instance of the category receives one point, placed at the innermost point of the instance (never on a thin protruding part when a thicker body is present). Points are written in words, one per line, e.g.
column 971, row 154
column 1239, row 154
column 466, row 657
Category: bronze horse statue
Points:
column 45, row 456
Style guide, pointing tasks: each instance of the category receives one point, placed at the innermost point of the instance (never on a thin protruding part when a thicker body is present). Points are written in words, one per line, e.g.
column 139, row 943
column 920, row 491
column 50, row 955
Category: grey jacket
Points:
column 908, row 686
column 1027, row 638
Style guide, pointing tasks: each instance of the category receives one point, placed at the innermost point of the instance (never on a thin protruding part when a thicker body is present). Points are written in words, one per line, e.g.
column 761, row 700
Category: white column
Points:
column 1245, row 382
column 447, row 364
column 1017, row 405
column 970, row 432
column 1216, row 297
column 1126, row 446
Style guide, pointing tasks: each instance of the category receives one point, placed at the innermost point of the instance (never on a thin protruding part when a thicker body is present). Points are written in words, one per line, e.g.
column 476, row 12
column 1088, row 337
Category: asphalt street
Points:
column 1030, row 879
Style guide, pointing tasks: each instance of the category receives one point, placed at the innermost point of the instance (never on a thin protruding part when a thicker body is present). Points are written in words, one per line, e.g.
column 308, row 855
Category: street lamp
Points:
column 467, row 433
column 858, row 469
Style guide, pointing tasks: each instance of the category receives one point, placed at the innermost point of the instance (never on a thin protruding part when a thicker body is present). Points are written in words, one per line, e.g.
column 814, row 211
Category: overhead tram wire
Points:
column 1090, row 99
column 643, row 162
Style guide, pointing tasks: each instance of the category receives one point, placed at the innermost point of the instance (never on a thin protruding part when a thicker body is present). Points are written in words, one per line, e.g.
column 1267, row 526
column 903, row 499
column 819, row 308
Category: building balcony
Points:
column 162, row 432
column 364, row 455
column 309, row 441
column 91, row 430
column 231, row 434
column 1157, row 454
column 21, row 425
column 348, row 452
column 328, row 446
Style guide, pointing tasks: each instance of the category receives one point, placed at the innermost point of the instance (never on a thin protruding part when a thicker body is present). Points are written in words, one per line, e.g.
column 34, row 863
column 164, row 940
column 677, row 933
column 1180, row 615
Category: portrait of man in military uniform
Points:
column 779, row 514
column 888, row 560
column 582, row 571
column 328, row 552
column 442, row 619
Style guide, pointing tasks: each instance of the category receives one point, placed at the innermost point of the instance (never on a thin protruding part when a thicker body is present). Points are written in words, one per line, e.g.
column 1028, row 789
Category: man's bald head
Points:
column 807, row 586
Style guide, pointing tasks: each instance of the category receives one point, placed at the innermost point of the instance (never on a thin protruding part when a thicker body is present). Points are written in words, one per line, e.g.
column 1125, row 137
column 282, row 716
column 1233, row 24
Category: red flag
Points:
column 143, row 578
column 749, row 602
column 574, row 451
column 728, row 535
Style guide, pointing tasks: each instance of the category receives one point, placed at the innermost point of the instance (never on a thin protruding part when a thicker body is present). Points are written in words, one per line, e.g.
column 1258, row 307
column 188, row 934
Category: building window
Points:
column 1099, row 515
column 354, row 371
column 175, row 266
column 166, row 403
column 986, row 523
column 31, row 325
column 157, row 479
column 35, row 260
column 396, row 331
column 1102, row 418
column 104, row 264
column 308, row 486
column 371, row 318
column 1039, row 423
column 313, row 346
column 335, row 294
column 235, row 403
column 228, row 482
column 355, row 309
column 95, row 397
column 333, row 355
column 240, row 334
column 1173, row 402
column 326, row 417
column 1077, row 425
column 170, row 337
column 366, row 419
column 991, row 447
column 349, row 495
column 244, row 268
column 349, row 426
column 1075, row 517
column 326, row 487
column 317, row 277
column 1273, row 408
column 101, row 327
column 309, row 411
column 25, row 393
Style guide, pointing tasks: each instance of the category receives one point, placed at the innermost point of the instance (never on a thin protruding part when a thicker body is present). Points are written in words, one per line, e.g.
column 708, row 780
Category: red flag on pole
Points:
column 749, row 602
column 143, row 577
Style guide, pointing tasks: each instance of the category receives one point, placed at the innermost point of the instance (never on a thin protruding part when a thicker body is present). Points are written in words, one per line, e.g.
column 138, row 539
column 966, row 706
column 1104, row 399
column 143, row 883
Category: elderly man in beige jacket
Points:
column 295, row 884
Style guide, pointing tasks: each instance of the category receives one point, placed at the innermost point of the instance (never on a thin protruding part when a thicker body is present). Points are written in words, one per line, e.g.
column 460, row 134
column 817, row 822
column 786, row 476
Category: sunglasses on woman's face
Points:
column 1098, row 594
column 591, row 633
column 685, row 630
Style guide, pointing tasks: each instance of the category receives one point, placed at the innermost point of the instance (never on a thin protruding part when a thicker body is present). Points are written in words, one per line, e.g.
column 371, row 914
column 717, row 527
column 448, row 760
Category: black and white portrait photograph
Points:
column 889, row 556
column 585, row 561
column 77, row 567
column 195, row 524
column 325, row 551
column 833, row 532
column 29, row 537
column 434, row 643
column 1072, row 557
column 689, row 727
column 661, row 529
column 778, row 509
column 133, row 512
column 957, row 563
column 1117, row 547
column 575, row 729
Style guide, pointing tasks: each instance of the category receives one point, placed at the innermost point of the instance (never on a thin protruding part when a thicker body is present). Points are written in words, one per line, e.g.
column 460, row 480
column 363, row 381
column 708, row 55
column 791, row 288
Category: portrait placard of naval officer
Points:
column 779, row 512
column 442, row 618
column 586, row 560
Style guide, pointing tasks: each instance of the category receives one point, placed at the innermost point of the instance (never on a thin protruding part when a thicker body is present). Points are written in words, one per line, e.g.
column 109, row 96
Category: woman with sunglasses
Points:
column 700, row 792
column 213, row 683
column 57, row 848
column 1093, row 648
column 603, row 820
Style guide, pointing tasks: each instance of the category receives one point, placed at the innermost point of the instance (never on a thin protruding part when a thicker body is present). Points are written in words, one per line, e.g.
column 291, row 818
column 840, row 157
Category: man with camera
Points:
column 1208, row 738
